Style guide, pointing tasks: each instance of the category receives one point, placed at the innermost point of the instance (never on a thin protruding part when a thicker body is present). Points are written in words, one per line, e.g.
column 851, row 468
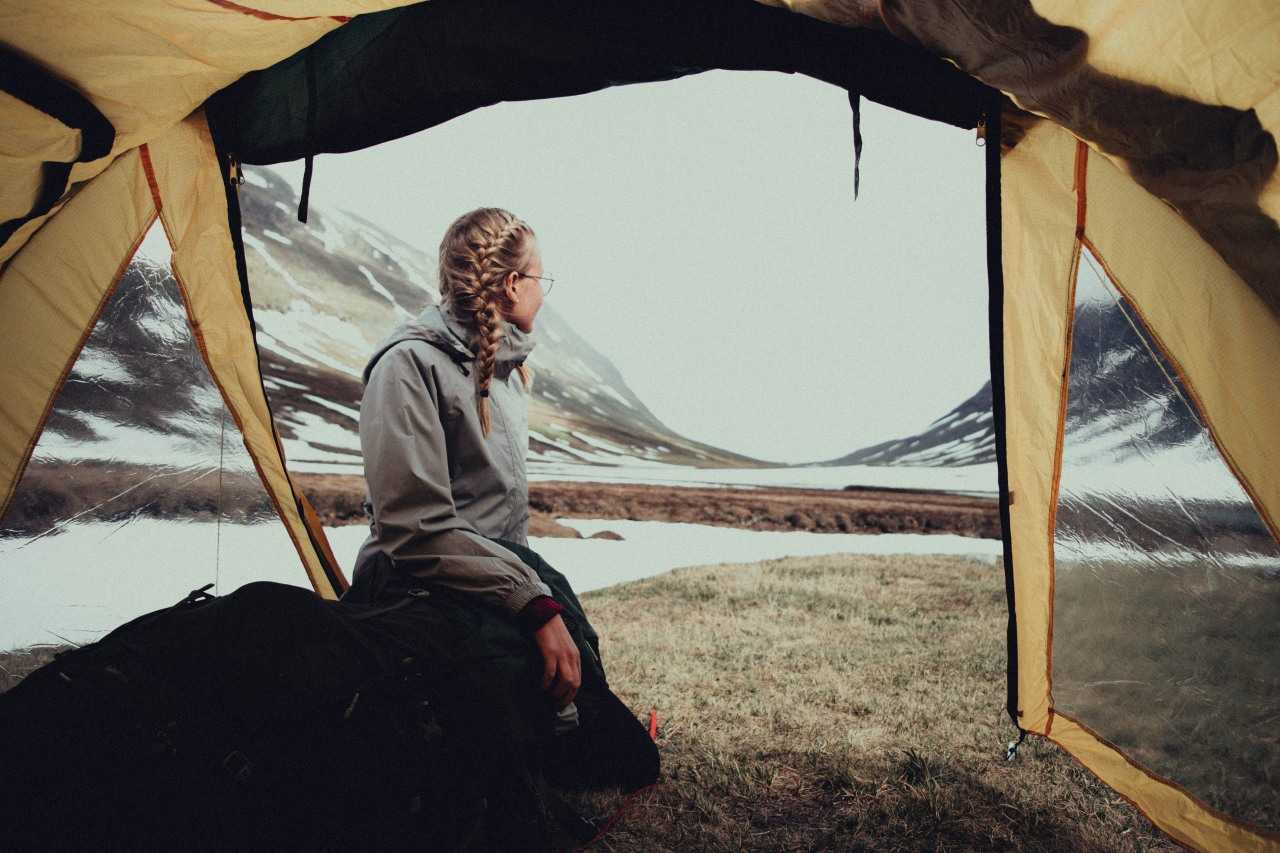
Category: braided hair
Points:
column 479, row 250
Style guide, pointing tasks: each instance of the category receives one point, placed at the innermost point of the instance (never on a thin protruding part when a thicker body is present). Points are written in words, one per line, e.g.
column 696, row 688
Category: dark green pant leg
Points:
column 575, row 616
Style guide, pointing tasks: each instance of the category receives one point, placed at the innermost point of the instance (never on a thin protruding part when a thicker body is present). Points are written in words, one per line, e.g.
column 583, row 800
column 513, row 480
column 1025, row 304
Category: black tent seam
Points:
column 332, row 573
column 995, row 325
column 34, row 86
column 855, row 104
column 304, row 199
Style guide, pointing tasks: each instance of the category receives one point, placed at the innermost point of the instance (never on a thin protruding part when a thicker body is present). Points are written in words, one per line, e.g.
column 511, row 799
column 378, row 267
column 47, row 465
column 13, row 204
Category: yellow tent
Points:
column 1144, row 156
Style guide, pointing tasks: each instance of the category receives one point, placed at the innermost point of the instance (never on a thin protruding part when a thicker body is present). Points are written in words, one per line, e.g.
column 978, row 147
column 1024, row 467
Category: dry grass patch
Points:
column 840, row 703
column 1195, row 695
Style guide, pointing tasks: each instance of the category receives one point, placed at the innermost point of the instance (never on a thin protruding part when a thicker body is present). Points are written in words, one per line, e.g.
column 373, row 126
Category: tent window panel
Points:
column 140, row 488
column 1167, row 584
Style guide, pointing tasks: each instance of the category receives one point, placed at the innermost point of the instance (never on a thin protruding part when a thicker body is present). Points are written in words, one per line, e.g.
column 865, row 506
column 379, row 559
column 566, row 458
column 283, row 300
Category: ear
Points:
column 509, row 286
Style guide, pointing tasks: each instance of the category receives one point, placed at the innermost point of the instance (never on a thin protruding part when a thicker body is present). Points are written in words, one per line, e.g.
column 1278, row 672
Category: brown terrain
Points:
column 854, row 509
column 50, row 494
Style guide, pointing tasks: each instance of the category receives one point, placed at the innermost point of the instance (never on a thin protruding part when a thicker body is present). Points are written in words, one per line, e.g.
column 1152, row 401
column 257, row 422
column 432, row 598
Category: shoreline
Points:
column 858, row 509
column 52, row 494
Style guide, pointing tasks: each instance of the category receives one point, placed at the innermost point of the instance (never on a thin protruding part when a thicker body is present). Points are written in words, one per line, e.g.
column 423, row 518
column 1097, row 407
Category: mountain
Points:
column 1124, row 402
column 324, row 294
column 963, row 436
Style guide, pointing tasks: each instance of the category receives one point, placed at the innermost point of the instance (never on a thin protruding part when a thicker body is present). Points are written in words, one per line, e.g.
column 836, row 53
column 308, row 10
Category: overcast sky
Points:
column 704, row 236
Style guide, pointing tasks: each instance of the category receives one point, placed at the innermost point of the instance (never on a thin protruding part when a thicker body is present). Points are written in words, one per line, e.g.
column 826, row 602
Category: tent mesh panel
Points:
column 1167, row 582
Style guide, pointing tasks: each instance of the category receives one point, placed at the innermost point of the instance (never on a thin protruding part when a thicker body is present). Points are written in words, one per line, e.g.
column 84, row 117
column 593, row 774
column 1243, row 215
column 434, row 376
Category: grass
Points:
column 840, row 703
column 1195, row 692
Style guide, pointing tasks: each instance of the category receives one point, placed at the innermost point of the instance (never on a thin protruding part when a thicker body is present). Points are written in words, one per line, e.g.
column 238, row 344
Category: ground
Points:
column 51, row 493
column 832, row 703
column 839, row 703
column 337, row 499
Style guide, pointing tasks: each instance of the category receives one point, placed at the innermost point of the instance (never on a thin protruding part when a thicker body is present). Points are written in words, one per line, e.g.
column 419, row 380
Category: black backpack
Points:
column 270, row 719
column 263, row 720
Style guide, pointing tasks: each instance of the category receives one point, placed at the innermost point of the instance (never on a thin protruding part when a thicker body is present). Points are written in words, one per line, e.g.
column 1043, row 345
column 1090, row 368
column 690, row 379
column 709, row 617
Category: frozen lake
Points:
column 970, row 479
column 78, row 584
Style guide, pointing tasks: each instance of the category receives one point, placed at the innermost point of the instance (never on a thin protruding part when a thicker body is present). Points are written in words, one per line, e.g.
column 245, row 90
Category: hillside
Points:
column 324, row 294
column 1124, row 402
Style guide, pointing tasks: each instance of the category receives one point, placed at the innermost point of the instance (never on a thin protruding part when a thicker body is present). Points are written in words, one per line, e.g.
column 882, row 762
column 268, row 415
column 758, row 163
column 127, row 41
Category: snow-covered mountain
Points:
column 324, row 294
column 1141, row 474
column 1124, row 401
column 963, row 436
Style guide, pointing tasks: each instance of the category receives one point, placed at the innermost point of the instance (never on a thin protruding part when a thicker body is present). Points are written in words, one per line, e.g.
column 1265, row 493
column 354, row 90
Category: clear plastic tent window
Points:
column 140, row 488
column 1167, row 582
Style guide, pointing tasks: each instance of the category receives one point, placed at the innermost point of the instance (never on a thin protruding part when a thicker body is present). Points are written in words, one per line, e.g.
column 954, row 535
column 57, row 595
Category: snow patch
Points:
column 977, row 479
column 354, row 414
column 276, row 380
column 599, row 443
column 252, row 177
column 311, row 429
column 95, row 365
column 51, row 591
column 261, row 248
column 615, row 395
column 381, row 290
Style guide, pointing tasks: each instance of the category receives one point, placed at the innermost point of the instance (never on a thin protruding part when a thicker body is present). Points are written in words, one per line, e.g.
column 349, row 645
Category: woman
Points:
column 444, row 432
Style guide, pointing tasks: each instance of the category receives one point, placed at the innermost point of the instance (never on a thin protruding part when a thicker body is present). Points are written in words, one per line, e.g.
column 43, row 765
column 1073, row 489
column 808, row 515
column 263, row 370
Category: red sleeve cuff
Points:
column 538, row 612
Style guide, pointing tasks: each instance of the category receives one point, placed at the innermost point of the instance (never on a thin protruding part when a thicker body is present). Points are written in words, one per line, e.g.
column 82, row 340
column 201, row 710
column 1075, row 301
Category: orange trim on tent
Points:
column 1055, row 484
column 144, row 153
column 1081, row 186
column 1270, row 835
column 308, row 512
column 272, row 16
column 312, row 522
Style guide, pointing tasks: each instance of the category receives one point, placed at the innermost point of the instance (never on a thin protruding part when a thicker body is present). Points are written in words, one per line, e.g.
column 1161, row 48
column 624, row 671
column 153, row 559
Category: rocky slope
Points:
column 1124, row 400
column 324, row 294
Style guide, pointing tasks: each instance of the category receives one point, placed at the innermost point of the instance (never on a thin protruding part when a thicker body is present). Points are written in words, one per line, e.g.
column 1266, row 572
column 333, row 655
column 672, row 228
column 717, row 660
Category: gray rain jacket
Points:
column 436, row 485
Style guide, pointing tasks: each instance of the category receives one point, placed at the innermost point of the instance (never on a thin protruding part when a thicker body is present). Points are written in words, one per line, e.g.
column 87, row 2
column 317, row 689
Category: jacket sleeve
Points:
column 407, row 473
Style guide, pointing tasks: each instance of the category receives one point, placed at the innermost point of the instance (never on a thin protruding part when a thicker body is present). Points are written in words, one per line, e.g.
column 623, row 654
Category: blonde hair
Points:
column 479, row 250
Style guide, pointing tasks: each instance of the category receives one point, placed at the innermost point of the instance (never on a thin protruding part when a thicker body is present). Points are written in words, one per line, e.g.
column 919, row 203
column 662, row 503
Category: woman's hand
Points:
column 561, row 666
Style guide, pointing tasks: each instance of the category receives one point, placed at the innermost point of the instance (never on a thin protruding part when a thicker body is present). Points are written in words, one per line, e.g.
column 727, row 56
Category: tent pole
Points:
column 995, row 322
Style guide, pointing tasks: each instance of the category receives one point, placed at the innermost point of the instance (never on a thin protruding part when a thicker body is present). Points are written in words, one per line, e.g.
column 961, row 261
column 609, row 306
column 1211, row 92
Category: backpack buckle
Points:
column 238, row 766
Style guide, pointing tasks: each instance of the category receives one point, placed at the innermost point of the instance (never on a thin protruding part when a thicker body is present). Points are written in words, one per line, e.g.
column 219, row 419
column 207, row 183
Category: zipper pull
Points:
column 234, row 173
column 981, row 130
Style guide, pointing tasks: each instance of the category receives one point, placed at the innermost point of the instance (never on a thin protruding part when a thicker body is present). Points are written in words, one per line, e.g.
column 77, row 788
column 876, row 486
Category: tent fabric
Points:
column 88, row 245
column 1148, row 139
column 1059, row 198
column 453, row 56
column 187, row 185
column 1198, row 132
column 63, row 116
column 144, row 66
column 44, row 322
column 1176, row 193
column 1175, row 811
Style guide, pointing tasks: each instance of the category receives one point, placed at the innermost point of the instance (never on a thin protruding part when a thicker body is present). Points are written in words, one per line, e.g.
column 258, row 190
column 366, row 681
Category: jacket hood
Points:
column 439, row 327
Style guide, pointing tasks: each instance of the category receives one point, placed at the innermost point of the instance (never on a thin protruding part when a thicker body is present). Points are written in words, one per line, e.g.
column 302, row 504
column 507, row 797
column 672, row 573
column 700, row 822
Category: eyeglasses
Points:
column 549, row 281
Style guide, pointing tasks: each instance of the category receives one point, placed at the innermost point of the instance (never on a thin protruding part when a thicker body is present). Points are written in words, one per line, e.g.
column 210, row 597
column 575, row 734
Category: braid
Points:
column 478, row 252
column 488, row 335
